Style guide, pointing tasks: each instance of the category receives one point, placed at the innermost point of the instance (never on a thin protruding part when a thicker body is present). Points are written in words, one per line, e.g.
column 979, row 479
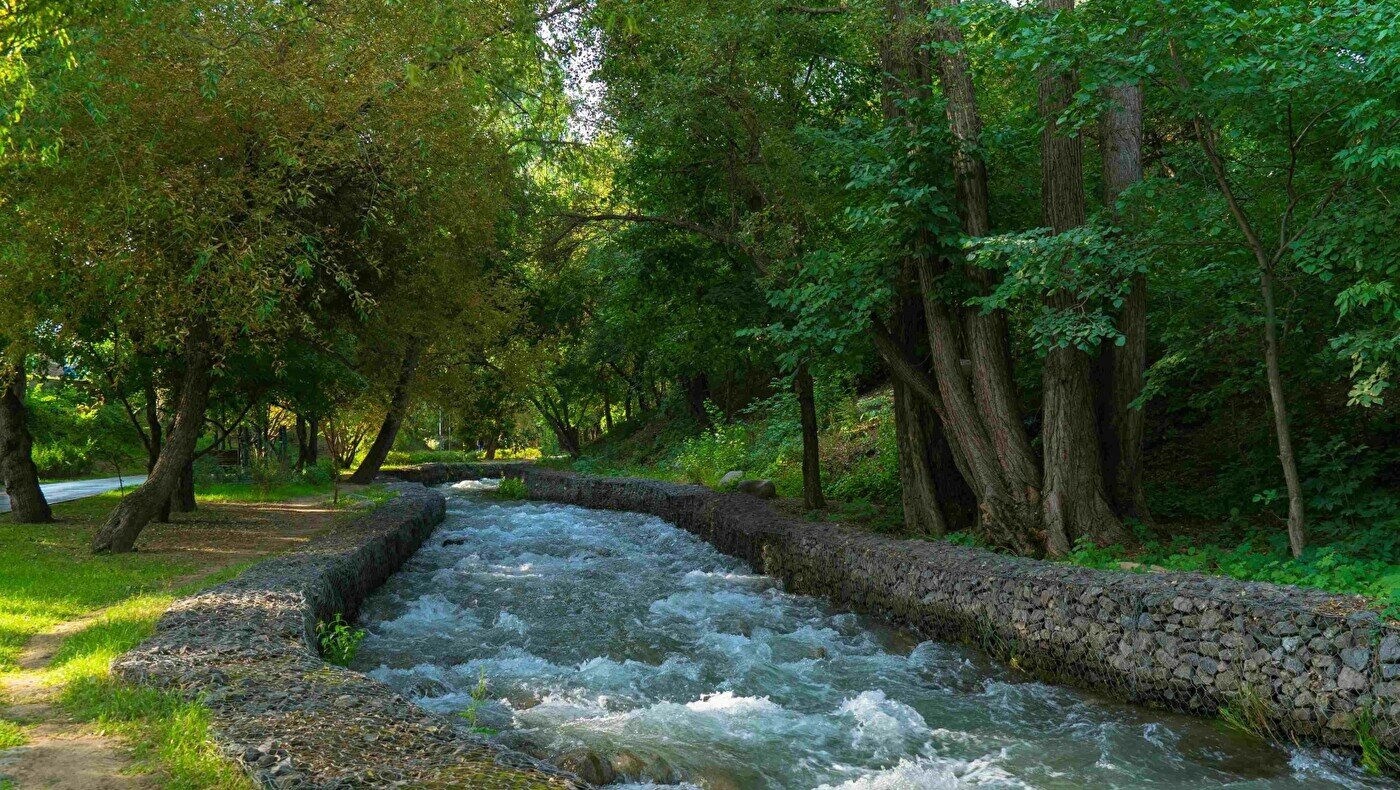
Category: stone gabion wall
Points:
column 1314, row 665
column 247, row 649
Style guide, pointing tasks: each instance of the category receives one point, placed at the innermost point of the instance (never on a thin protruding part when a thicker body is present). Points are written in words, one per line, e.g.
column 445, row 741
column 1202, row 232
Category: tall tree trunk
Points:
column 976, row 402
column 812, row 496
column 1119, row 370
column 1076, row 504
column 393, row 420
column 182, row 499
column 17, row 469
column 492, row 442
column 697, row 391
column 1205, row 133
column 1297, row 536
column 935, row 497
column 301, row 442
column 154, row 427
column 141, row 506
column 313, row 449
column 987, row 335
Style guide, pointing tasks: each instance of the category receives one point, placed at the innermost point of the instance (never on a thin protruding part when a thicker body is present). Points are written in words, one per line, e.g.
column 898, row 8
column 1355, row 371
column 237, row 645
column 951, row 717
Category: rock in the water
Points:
column 763, row 489
column 588, row 766
column 730, row 478
column 647, row 768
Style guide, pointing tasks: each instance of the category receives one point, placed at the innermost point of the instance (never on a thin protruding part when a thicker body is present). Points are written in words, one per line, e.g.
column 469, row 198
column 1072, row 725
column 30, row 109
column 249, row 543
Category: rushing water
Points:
column 620, row 634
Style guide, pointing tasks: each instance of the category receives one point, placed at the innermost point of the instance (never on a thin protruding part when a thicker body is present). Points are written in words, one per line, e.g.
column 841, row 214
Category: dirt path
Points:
column 63, row 754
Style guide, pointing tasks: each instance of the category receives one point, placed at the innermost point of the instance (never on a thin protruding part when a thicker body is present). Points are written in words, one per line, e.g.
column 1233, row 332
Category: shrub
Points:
column 512, row 488
column 338, row 640
column 472, row 712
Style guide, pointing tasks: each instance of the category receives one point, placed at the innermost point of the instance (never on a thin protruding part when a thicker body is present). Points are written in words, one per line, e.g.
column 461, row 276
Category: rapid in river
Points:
column 622, row 636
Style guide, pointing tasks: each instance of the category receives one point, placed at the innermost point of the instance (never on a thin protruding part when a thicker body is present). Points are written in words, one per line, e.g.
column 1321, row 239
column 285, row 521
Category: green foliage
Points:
column 858, row 453
column 511, row 488
column 338, row 640
column 267, row 479
column 1360, row 560
column 1375, row 757
column 72, row 436
column 473, row 710
column 11, row 735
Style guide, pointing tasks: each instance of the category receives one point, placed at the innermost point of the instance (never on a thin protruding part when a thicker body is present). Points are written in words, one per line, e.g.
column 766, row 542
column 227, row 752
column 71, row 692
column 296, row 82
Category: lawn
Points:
column 48, row 576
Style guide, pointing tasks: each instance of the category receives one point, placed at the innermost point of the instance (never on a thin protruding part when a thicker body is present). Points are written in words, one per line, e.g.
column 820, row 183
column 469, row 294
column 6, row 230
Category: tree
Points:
column 17, row 470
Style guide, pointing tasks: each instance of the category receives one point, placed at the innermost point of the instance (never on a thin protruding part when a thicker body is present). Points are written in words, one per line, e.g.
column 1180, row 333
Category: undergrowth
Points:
column 338, row 640
column 1232, row 528
column 511, row 488
column 11, row 735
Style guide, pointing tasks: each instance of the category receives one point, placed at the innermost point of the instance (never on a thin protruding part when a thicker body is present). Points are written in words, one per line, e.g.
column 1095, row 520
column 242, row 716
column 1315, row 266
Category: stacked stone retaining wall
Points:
column 248, row 649
column 1311, row 664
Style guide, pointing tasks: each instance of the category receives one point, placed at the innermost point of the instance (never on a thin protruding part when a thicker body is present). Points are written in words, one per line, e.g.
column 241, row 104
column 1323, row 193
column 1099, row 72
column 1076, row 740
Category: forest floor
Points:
column 65, row 614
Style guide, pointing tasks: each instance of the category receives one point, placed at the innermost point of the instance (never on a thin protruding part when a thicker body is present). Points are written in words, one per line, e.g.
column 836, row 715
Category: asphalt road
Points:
column 77, row 489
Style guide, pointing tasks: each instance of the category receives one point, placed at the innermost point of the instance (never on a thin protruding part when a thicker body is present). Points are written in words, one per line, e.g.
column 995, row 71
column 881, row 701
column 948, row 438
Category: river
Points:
column 620, row 635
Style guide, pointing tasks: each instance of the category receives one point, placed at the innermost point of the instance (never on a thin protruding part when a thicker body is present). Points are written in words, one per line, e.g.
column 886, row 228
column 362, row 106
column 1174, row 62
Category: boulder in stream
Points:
column 587, row 765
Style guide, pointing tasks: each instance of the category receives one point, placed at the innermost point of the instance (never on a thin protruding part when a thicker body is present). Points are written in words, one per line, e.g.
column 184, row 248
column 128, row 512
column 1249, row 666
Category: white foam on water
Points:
column 926, row 774
column 617, row 632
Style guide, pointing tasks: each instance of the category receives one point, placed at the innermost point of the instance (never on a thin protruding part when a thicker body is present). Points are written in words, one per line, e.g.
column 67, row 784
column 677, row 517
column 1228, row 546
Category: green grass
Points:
column 254, row 493
column 170, row 734
column 398, row 458
column 47, row 575
column 11, row 735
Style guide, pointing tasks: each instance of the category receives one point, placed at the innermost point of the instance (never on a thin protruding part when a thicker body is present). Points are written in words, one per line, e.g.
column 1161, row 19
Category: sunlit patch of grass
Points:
column 11, row 735
column 252, row 492
column 170, row 734
column 47, row 575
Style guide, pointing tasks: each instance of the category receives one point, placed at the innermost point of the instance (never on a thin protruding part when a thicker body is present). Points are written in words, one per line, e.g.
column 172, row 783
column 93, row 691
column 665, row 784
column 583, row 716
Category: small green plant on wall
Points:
column 473, row 711
column 338, row 640
column 512, row 488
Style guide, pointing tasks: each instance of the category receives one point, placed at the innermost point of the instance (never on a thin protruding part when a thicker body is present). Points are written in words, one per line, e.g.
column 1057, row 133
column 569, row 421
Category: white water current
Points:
column 622, row 635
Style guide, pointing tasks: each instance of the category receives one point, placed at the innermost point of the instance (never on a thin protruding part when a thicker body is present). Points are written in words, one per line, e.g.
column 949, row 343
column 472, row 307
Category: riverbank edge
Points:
column 1291, row 663
column 247, row 650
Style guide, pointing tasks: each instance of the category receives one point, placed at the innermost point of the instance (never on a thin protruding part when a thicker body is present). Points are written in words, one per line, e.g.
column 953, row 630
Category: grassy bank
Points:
column 48, row 577
column 1229, row 528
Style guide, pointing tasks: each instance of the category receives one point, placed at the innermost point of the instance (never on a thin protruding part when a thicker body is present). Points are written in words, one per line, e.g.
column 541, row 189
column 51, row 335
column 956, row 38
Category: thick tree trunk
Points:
column 812, row 496
column 300, row 431
column 393, row 420
column 313, row 450
column 182, row 499
column 17, row 469
column 1119, row 371
column 491, row 444
column 697, row 391
column 976, row 402
column 1076, row 504
column 139, row 508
